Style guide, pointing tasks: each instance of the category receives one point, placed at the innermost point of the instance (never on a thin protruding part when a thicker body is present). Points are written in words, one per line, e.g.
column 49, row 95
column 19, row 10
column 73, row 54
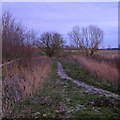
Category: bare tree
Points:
column 50, row 42
column 88, row 39
column 14, row 37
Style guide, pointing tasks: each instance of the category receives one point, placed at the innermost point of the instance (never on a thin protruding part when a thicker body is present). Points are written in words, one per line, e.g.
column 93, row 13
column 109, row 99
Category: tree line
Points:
column 19, row 42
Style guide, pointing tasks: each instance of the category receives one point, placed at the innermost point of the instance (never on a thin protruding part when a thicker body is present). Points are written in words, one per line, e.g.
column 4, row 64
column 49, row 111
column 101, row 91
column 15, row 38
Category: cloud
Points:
column 61, row 17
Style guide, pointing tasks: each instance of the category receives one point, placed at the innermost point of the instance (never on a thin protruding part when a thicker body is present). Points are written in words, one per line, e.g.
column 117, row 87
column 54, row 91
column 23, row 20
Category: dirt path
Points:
column 89, row 89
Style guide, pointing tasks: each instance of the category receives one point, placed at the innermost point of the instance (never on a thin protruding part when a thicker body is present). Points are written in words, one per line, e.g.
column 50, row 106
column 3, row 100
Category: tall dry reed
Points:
column 19, row 81
column 103, row 67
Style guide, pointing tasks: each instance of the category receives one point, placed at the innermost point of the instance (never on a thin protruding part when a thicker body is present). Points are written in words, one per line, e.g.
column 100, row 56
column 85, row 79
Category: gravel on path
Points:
column 89, row 89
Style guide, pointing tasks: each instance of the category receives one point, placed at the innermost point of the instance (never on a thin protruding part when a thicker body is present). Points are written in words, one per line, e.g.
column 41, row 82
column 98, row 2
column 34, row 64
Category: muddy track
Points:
column 89, row 89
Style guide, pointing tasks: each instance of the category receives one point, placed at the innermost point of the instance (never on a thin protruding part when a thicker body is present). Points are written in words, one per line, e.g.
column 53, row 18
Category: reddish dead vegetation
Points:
column 104, row 67
column 19, row 81
column 23, row 77
column 17, row 41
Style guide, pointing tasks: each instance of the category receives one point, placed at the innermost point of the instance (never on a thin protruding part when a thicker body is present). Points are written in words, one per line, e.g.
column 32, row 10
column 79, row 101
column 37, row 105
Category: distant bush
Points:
column 43, row 53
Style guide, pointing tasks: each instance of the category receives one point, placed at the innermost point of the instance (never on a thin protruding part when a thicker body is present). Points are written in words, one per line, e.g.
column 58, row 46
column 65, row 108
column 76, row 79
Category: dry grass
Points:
column 107, row 52
column 19, row 81
column 104, row 67
column 110, row 54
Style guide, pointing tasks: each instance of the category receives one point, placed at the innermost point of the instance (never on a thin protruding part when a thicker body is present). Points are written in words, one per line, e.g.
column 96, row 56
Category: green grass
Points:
column 64, row 93
column 74, row 71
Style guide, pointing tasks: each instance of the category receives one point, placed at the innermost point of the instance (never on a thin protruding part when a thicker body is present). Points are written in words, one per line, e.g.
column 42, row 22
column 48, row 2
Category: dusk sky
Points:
column 63, row 16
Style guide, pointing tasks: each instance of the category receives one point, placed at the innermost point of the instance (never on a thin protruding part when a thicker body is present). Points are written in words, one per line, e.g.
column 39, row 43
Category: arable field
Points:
column 38, row 91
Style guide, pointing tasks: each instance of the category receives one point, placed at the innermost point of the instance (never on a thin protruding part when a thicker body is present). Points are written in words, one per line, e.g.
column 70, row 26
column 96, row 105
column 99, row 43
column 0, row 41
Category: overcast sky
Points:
column 62, row 17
